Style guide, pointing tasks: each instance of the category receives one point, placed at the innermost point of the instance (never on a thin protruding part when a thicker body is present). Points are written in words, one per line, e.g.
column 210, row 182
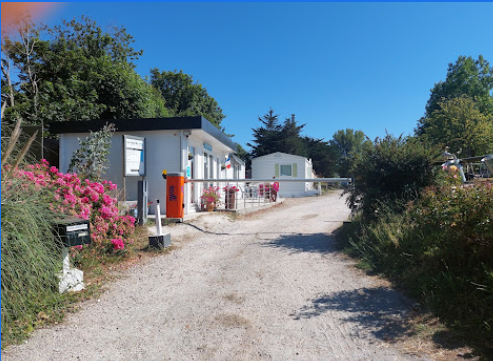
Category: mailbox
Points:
column 73, row 231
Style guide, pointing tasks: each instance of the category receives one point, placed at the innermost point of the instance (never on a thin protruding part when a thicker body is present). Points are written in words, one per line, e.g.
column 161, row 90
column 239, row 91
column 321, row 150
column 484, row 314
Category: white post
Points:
column 158, row 219
column 71, row 279
column 66, row 260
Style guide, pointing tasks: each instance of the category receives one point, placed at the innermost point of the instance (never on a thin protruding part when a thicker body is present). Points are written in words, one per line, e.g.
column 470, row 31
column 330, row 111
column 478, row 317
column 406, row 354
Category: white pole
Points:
column 66, row 260
column 158, row 219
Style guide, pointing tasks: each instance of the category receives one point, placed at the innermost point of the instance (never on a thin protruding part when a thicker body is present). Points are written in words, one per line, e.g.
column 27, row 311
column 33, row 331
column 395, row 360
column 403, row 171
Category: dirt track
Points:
column 268, row 286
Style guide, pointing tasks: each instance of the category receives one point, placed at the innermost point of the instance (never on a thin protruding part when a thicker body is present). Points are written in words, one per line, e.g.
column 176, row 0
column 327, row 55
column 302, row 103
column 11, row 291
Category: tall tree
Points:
column 291, row 141
column 20, row 56
column 184, row 97
column 467, row 76
column 349, row 143
column 272, row 137
column 270, row 120
column 323, row 156
column 267, row 137
column 459, row 124
column 76, row 71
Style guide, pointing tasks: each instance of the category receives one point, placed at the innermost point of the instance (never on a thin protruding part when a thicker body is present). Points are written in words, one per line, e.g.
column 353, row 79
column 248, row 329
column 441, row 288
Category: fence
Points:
column 235, row 195
column 238, row 194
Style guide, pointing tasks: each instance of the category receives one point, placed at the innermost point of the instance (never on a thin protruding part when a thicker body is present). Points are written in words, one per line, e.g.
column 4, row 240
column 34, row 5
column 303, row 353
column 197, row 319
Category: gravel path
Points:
column 267, row 286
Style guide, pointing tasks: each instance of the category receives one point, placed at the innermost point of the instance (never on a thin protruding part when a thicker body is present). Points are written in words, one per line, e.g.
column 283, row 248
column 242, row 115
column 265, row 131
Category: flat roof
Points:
column 148, row 124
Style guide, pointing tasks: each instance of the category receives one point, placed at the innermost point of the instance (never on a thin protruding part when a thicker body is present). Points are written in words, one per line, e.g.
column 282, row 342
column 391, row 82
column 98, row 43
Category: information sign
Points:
column 134, row 156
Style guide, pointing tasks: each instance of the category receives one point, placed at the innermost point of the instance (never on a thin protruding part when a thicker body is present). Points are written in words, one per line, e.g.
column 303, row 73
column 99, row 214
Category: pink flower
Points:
column 107, row 200
column 98, row 187
column 53, row 169
column 106, row 212
column 117, row 243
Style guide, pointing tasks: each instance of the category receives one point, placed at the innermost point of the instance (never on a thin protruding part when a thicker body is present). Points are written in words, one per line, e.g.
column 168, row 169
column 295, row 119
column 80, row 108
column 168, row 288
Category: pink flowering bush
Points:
column 83, row 199
column 118, row 244
column 211, row 195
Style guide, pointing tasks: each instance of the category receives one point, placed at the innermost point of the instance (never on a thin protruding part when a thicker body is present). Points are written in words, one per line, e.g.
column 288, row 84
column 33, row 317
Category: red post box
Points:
column 175, row 184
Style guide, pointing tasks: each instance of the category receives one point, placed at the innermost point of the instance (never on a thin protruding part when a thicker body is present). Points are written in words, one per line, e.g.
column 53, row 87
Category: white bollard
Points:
column 158, row 219
column 160, row 240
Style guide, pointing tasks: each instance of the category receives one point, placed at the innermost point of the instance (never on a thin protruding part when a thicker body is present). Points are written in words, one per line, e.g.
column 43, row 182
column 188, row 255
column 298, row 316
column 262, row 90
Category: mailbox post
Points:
column 71, row 232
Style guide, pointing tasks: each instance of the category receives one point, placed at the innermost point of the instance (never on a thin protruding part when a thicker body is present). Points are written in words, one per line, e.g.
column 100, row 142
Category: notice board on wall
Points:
column 134, row 156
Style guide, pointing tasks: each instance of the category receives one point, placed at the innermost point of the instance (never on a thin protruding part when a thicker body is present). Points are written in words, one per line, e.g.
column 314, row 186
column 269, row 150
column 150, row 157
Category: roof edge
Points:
column 144, row 124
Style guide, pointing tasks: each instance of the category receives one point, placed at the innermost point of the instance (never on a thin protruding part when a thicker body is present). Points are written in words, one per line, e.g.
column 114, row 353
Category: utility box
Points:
column 175, row 184
column 73, row 232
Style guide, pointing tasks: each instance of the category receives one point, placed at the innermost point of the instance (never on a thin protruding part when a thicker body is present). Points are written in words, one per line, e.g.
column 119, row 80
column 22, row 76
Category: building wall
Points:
column 161, row 153
column 163, row 149
column 265, row 167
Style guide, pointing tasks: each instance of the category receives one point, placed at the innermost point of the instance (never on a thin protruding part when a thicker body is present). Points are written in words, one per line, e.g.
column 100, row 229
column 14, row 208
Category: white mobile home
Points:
column 286, row 166
column 191, row 145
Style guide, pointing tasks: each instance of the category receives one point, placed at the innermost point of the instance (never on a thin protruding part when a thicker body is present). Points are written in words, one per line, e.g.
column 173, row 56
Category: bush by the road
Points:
column 440, row 249
column 389, row 174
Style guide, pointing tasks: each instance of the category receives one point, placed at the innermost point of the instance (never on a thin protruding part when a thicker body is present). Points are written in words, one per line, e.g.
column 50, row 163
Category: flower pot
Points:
column 230, row 200
column 210, row 207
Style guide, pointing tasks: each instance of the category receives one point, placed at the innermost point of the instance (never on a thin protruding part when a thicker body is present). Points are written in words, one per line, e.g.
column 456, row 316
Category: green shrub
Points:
column 440, row 249
column 389, row 174
column 30, row 259
column 458, row 224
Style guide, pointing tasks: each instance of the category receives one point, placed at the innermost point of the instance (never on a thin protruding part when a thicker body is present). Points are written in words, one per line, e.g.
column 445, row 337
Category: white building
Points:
column 286, row 166
column 191, row 145
column 236, row 170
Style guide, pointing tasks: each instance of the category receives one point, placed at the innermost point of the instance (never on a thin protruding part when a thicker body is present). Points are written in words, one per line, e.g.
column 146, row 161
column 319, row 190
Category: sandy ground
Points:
column 267, row 286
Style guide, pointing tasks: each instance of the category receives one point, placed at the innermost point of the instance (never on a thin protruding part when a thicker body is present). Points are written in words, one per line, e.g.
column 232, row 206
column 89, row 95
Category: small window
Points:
column 286, row 170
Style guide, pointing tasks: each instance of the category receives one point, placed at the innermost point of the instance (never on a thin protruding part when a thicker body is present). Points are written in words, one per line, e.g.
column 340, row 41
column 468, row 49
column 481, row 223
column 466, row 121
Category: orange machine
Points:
column 175, row 184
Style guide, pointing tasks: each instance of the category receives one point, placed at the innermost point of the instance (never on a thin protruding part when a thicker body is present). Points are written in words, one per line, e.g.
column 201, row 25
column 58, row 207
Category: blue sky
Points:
column 365, row 66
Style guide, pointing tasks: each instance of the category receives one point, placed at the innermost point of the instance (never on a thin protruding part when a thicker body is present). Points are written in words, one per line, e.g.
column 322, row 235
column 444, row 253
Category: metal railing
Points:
column 236, row 194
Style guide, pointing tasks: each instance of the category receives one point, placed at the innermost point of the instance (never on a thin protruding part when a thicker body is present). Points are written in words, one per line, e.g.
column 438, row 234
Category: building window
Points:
column 286, row 170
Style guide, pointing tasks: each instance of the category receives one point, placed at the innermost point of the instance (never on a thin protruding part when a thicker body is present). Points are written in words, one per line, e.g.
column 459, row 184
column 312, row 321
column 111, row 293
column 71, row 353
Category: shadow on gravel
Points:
column 379, row 311
column 314, row 242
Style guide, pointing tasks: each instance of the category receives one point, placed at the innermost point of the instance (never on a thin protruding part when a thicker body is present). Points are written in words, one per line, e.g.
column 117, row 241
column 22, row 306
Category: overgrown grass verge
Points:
column 37, row 303
column 440, row 251
column 30, row 260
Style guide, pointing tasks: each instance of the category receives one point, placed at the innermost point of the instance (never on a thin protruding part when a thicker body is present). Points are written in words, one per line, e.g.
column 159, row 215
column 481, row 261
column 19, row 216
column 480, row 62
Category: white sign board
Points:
column 134, row 156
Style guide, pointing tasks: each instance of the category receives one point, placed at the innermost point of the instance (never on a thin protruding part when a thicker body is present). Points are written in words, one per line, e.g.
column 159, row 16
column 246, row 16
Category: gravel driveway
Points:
column 267, row 286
